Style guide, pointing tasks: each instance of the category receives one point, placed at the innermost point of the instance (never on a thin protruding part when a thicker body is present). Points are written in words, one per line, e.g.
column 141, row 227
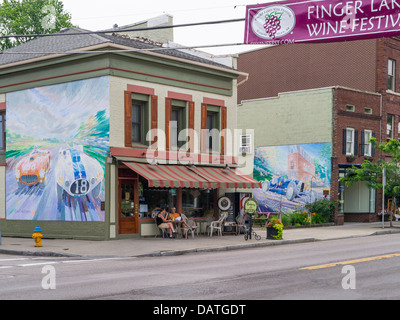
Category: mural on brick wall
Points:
column 57, row 142
column 291, row 175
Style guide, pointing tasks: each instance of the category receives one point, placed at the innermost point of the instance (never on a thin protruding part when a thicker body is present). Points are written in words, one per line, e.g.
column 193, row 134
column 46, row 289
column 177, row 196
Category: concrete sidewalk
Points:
column 160, row 247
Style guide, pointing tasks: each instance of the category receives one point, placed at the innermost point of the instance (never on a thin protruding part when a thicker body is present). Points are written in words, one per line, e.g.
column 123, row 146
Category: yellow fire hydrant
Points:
column 37, row 235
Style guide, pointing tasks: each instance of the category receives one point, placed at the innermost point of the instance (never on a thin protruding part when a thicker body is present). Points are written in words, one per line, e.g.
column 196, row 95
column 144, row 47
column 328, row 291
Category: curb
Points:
column 225, row 248
column 34, row 253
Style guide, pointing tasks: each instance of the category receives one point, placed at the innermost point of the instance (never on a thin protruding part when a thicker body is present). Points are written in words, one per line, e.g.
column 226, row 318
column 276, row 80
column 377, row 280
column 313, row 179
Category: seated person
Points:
column 174, row 215
column 162, row 222
column 177, row 217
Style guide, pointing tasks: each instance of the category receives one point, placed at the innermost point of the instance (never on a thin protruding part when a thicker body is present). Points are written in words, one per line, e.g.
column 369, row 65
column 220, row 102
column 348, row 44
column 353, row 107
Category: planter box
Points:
column 271, row 232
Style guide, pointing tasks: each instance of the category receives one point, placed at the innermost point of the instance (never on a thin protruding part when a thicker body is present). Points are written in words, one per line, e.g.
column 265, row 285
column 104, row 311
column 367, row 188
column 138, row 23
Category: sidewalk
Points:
column 159, row 246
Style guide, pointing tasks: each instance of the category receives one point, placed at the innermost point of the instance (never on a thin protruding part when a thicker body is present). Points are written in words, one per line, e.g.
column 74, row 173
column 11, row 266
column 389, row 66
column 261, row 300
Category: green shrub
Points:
column 323, row 207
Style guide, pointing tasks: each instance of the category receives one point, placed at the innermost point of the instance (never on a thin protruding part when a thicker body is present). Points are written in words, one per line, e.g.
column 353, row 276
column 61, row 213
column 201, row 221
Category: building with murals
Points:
column 305, row 141
column 108, row 129
column 369, row 68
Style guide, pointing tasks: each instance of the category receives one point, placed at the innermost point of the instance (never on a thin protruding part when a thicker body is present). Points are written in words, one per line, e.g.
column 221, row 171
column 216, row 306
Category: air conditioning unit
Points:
column 244, row 150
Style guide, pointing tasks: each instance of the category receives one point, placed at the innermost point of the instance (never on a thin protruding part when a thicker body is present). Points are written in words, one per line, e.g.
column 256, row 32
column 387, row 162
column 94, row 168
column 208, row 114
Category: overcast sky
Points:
column 99, row 15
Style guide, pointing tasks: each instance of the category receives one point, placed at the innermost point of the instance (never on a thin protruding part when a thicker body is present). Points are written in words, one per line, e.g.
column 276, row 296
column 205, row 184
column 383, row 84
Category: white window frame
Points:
column 389, row 130
column 245, row 144
column 350, row 143
column 392, row 74
column 367, row 143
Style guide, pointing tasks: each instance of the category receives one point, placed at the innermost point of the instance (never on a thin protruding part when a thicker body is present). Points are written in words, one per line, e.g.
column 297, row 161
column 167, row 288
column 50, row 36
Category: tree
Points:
column 30, row 17
column 371, row 172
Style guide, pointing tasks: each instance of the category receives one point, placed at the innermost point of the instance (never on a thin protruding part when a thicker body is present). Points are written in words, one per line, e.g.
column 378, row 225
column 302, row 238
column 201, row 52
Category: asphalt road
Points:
column 317, row 270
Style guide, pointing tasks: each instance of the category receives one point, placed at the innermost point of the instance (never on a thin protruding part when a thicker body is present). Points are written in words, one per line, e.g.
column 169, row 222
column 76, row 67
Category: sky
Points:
column 99, row 15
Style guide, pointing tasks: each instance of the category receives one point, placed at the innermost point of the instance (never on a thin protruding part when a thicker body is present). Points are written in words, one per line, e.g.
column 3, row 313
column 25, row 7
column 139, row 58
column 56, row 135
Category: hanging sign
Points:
column 251, row 206
column 289, row 22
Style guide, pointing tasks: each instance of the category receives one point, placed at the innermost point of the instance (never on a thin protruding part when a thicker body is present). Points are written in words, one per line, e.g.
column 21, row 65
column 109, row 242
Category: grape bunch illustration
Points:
column 273, row 23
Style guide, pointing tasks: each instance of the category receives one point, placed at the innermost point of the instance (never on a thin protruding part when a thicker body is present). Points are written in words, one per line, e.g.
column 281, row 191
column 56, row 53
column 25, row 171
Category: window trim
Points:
column 389, row 136
column 391, row 75
column 367, row 143
column 351, row 153
column 182, row 107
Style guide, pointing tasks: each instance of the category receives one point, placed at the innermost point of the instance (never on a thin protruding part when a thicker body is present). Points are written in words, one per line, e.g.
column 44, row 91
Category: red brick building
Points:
column 365, row 67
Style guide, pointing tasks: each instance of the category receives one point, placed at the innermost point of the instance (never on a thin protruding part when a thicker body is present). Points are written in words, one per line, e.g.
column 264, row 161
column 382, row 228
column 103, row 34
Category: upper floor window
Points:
column 178, row 123
column 213, row 127
column 391, row 74
column 389, row 126
column 245, row 144
column 350, row 141
column 140, row 119
column 366, row 144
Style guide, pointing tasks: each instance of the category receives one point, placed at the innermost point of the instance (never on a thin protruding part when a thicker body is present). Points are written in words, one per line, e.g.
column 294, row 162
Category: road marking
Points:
column 329, row 265
column 37, row 264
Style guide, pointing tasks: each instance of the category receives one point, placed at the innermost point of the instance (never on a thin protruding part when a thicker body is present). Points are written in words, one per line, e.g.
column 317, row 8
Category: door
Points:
column 128, row 206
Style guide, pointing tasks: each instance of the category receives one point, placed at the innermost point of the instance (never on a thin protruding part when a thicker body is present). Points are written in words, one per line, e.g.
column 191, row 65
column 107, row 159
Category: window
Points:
column 137, row 121
column 2, row 131
column 389, row 126
column 213, row 131
column 391, row 74
column 367, row 135
column 245, row 143
column 350, row 141
column 178, row 123
column 350, row 107
column 368, row 110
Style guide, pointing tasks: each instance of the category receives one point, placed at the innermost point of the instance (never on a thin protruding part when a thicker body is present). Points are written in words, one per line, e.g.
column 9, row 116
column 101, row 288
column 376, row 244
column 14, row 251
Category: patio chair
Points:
column 241, row 224
column 218, row 225
column 163, row 231
column 190, row 225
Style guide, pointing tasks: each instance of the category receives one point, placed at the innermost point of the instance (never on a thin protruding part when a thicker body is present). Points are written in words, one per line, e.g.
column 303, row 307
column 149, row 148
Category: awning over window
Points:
column 175, row 176
column 226, row 178
column 169, row 176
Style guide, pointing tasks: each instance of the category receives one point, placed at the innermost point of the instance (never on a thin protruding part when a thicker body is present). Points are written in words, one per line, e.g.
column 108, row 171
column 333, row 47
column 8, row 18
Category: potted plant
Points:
column 350, row 158
column 274, row 229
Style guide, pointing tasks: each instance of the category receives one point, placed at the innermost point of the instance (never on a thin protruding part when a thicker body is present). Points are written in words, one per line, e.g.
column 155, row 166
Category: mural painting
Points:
column 57, row 143
column 291, row 176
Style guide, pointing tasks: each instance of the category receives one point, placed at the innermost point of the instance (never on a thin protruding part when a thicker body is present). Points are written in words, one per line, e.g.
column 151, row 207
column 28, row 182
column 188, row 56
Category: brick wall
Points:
column 306, row 66
column 359, row 121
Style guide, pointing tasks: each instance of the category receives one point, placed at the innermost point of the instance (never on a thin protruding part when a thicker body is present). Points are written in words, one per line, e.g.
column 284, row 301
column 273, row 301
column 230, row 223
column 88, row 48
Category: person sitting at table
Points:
column 177, row 217
column 163, row 223
column 174, row 215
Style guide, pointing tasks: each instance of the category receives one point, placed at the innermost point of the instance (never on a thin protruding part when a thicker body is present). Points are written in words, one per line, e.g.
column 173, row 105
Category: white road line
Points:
column 6, row 267
column 37, row 264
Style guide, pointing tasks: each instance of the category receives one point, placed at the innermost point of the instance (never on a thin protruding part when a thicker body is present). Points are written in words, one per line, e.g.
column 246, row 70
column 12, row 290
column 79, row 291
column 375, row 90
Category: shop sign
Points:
column 287, row 22
column 251, row 206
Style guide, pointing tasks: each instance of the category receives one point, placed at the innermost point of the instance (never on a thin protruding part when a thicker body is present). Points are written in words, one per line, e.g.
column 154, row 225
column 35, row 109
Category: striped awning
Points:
column 169, row 176
column 226, row 178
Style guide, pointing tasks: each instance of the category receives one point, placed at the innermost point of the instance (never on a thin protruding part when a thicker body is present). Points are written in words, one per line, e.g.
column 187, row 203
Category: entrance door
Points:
column 128, row 207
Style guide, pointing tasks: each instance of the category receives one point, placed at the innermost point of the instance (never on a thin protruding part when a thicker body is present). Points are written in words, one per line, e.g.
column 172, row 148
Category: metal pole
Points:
column 383, row 196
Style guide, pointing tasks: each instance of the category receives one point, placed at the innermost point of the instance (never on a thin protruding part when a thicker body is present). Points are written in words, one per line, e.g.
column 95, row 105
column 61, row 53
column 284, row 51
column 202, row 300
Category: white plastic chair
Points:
column 190, row 225
column 218, row 225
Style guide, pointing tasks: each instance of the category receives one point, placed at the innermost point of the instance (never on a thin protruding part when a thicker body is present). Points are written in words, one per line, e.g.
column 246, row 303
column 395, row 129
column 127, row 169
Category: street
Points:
column 298, row 271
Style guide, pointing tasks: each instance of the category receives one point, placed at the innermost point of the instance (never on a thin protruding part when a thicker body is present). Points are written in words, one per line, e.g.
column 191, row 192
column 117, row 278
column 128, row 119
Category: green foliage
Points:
column 30, row 17
column 323, row 207
column 371, row 172
column 278, row 226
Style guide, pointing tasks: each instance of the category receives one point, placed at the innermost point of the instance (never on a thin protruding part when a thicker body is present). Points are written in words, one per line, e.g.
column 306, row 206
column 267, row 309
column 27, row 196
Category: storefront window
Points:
column 195, row 202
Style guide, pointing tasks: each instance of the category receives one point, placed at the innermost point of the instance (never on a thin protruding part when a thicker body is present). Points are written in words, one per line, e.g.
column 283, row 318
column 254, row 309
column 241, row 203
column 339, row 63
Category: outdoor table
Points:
column 200, row 221
column 232, row 224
